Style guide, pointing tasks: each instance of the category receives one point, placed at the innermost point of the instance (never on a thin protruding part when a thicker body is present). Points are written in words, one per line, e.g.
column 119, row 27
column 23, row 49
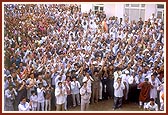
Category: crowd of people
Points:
column 57, row 57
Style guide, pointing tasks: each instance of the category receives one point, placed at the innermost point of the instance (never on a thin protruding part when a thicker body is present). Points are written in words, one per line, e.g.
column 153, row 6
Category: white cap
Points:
column 9, row 76
column 115, row 74
column 146, row 50
column 126, row 72
column 94, row 62
column 119, row 73
column 84, row 79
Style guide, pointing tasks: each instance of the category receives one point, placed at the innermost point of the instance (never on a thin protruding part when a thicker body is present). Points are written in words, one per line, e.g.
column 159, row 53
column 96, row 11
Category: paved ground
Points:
column 106, row 105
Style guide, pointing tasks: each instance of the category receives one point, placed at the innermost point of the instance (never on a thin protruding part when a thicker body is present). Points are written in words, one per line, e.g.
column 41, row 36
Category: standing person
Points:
column 60, row 93
column 24, row 106
column 34, row 99
column 65, row 96
column 125, row 79
column 144, row 96
column 48, row 92
column 161, row 95
column 75, row 85
column 151, row 105
column 133, row 81
column 22, row 91
column 85, row 93
column 140, row 79
column 40, row 95
column 154, row 85
column 111, row 80
column 95, row 87
column 10, row 94
column 118, row 93
column 31, row 84
column 104, row 25
column 89, row 79
column 68, row 103
column 104, row 81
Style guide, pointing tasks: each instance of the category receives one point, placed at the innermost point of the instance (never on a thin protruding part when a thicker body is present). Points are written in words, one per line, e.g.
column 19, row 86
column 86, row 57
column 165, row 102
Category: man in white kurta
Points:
column 60, row 95
column 153, row 91
column 85, row 93
column 125, row 78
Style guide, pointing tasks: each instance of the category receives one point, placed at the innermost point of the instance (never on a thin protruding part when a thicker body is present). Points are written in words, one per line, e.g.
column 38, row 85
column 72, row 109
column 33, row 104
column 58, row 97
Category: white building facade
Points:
column 131, row 10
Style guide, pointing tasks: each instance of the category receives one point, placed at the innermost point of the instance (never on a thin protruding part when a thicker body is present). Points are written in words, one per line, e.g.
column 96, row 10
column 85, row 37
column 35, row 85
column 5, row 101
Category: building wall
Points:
column 149, row 9
column 109, row 10
column 119, row 10
column 86, row 7
column 114, row 10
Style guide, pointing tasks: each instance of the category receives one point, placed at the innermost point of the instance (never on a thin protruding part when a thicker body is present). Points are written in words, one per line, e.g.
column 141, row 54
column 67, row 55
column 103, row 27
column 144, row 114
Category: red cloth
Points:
column 145, row 92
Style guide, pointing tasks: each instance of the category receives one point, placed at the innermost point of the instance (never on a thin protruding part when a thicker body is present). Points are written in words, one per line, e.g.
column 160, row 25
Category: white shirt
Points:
column 57, row 80
column 152, row 108
column 118, row 92
column 60, row 96
column 24, row 107
column 85, row 94
column 75, row 85
column 34, row 99
column 89, row 82
column 131, row 80
column 40, row 95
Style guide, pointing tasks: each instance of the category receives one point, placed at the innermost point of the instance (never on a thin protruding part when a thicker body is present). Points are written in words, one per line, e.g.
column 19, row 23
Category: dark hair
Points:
column 146, row 79
column 33, row 92
column 151, row 99
column 84, row 23
column 23, row 97
column 40, row 84
column 74, row 77
column 59, row 83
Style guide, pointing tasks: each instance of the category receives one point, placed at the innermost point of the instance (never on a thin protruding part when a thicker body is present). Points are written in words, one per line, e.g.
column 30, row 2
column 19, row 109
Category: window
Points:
column 160, row 6
column 135, row 11
column 159, row 14
column 134, row 5
column 101, row 8
column 127, row 5
column 160, row 10
column 142, row 5
column 98, row 7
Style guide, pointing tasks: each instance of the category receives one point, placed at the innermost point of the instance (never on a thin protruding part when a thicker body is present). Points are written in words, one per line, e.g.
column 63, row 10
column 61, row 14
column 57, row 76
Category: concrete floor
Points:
column 106, row 105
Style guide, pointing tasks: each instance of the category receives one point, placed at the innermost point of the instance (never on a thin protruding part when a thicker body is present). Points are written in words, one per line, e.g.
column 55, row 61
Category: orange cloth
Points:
column 105, row 26
column 162, row 96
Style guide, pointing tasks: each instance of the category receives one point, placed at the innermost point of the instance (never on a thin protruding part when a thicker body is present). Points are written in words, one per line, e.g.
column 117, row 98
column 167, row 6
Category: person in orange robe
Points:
column 144, row 96
column 104, row 25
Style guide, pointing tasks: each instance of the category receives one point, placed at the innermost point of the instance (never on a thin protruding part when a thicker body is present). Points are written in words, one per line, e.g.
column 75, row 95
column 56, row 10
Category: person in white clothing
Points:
column 125, row 78
column 89, row 79
column 151, row 105
column 161, row 96
column 85, row 93
column 33, row 99
column 24, row 106
column 41, row 98
column 60, row 95
column 75, row 86
column 153, row 91
column 118, row 93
